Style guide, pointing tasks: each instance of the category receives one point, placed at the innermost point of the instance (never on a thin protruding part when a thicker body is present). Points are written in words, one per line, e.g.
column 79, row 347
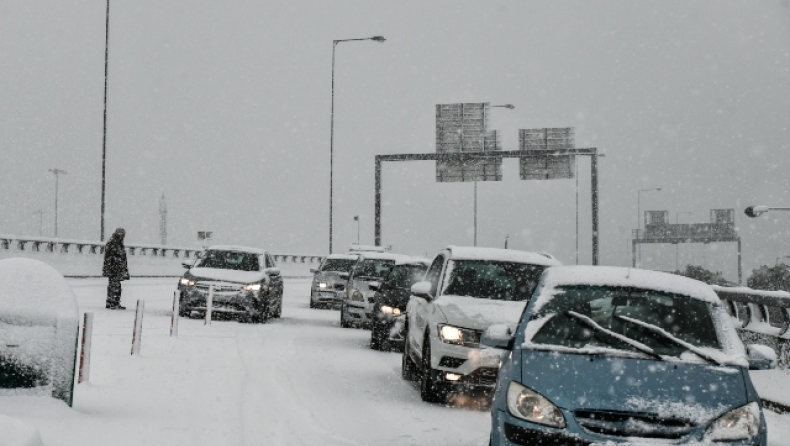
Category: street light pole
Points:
column 57, row 173
column 756, row 211
column 356, row 219
column 639, row 215
column 509, row 107
column 104, row 133
column 677, row 245
column 379, row 39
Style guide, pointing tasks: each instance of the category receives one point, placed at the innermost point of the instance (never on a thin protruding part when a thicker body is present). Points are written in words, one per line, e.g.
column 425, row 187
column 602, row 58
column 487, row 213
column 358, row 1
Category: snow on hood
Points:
column 227, row 275
column 34, row 293
column 17, row 433
column 479, row 314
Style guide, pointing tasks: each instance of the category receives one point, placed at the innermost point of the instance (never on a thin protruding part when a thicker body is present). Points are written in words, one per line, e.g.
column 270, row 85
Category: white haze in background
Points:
column 224, row 107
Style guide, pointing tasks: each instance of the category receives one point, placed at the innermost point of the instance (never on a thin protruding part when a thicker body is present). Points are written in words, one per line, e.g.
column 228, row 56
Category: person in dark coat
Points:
column 115, row 268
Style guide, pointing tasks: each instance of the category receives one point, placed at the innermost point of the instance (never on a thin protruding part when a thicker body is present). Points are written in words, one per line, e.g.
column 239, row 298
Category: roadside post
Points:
column 85, row 350
column 174, row 316
column 138, row 327
column 209, row 303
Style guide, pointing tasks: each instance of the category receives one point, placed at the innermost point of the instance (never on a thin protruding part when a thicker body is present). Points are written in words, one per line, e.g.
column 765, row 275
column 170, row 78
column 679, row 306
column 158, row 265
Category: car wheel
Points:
column 431, row 388
column 312, row 303
column 408, row 367
column 375, row 338
column 343, row 321
column 277, row 314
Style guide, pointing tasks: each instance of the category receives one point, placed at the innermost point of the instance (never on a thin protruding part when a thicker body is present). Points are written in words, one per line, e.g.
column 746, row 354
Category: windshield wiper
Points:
column 635, row 344
column 664, row 334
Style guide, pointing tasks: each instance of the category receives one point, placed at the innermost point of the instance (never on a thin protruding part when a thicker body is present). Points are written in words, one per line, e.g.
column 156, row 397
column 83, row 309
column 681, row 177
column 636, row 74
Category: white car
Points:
column 465, row 291
column 357, row 305
column 329, row 280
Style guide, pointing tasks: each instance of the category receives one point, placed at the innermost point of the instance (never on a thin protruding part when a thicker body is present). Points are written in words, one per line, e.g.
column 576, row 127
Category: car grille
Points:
column 528, row 437
column 484, row 376
column 203, row 288
column 340, row 287
column 449, row 361
column 632, row 424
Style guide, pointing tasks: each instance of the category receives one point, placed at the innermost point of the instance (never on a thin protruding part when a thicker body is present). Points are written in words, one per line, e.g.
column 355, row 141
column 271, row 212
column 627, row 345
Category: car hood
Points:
column 479, row 314
column 695, row 392
column 329, row 277
column 227, row 275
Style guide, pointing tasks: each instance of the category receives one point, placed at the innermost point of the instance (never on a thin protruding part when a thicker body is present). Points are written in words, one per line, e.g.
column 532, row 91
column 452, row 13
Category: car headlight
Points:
column 252, row 287
column 460, row 336
column 739, row 424
column 355, row 295
column 390, row 310
column 531, row 406
column 321, row 284
column 186, row 282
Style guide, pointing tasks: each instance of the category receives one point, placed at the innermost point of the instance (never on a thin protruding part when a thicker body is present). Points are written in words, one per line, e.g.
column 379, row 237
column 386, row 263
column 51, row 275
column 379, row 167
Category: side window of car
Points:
column 433, row 273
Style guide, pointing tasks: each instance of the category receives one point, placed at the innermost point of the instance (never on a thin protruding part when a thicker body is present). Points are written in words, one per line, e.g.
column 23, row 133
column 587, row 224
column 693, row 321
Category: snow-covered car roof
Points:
column 382, row 255
column 236, row 248
column 342, row 256
column 414, row 261
column 628, row 277
column 501, row 255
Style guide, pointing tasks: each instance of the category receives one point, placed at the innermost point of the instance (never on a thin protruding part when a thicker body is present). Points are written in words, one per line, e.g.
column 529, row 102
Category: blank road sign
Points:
column 549, row 167
column 464, row 128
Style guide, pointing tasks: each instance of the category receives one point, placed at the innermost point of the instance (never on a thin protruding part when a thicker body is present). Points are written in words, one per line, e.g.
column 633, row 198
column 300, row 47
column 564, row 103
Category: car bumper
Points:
column 507, row 430
column 466, row 366
column 327, row 297
column 358, row 312
column 231, row 303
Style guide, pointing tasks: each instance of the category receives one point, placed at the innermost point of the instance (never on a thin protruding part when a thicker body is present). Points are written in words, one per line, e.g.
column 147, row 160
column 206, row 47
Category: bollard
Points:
column 209, row 304
column 174, row 316
column 138, row 327
column 85, row 351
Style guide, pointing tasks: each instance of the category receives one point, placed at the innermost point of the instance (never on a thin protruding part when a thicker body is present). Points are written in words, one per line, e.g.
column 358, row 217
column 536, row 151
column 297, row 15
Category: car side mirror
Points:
column 422, row 289
column 273, row 271
column 186, row 265
column 761, row 357
column 313, row 270
column 498, row 336
column 374, row 286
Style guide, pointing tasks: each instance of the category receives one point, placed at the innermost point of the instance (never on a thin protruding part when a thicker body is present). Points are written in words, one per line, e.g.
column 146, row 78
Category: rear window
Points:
column 339, row 265
column 235, row 260
column 494, row 280
column 683, row 317
column 404, row 276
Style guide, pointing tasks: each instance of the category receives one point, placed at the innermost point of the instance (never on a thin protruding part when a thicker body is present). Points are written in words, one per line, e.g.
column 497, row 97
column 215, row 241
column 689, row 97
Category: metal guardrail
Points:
column 65, row 246
column 766, row 312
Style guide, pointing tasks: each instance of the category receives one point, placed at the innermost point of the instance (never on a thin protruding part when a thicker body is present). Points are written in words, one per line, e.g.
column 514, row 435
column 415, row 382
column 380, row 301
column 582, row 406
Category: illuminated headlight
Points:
column 355, row 295
column 390, row 310
column 531, row 406
column 739, row 424
column 252, row 287
column 461, row 336
column 187, row 282
column 321, row 285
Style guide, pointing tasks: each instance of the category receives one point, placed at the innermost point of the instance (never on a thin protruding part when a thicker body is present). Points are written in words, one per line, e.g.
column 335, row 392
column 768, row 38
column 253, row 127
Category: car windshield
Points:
column 338, row 265
column 378, row 268
column 495, row 280
column 404, row 276
column 235, row 260
column 631, row 312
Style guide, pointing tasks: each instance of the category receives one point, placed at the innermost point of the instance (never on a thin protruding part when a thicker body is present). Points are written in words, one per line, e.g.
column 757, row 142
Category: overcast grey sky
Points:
column 225, row 106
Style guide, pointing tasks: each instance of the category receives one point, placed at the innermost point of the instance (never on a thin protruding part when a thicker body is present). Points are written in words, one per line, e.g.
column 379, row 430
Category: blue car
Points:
column 615, row 356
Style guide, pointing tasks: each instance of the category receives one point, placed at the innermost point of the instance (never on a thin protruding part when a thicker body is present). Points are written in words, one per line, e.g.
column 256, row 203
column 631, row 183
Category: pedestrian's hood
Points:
column 227, row 275
column 479, row 314
column 692, row 391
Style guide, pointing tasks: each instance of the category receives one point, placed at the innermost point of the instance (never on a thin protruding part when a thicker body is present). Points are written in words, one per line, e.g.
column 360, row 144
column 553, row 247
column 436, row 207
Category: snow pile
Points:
column 16, row 433
column 39, row 322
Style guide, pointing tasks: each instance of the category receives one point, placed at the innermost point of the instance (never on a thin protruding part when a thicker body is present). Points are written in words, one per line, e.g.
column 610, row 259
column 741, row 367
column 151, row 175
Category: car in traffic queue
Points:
column 330, row 279
column 390, row 300
column 357, row 304
column 465, row 290
column 244, row 283
column 610, row 355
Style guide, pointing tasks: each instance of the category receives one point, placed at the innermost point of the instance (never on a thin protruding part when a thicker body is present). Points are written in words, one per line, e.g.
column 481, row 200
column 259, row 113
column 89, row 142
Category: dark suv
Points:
column 390, row 300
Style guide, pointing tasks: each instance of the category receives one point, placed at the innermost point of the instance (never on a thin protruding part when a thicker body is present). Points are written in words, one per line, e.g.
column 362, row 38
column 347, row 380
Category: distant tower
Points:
column 163, row 219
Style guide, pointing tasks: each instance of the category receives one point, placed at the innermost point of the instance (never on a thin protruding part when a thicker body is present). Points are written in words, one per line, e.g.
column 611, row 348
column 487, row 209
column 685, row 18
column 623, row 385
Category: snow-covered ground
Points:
column 295, row 381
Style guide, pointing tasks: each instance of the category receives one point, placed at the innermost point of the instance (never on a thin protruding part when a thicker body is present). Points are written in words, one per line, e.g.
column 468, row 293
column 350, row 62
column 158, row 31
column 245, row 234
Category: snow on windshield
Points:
column 233, row 260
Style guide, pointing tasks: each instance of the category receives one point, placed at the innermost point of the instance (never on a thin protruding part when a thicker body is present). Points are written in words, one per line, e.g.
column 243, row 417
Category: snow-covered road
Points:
column 300, row 380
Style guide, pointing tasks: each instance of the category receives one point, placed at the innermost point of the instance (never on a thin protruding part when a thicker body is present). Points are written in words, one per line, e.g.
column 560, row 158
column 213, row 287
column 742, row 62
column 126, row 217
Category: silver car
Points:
column 329, row 280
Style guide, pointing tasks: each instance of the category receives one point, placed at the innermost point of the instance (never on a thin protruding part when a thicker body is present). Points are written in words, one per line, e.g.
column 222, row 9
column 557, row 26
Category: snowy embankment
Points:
column 90, row 265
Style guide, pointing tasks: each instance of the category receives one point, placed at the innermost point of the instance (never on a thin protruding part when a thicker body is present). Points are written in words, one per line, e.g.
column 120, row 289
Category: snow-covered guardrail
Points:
column 760, row 317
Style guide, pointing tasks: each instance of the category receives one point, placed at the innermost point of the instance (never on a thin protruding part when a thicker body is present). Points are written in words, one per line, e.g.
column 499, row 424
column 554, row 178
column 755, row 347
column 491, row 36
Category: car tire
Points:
column 343, row 321
column 431, row 388
column 279, row 312
column 408, row 366
column 312, row 303
column 376, row 338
